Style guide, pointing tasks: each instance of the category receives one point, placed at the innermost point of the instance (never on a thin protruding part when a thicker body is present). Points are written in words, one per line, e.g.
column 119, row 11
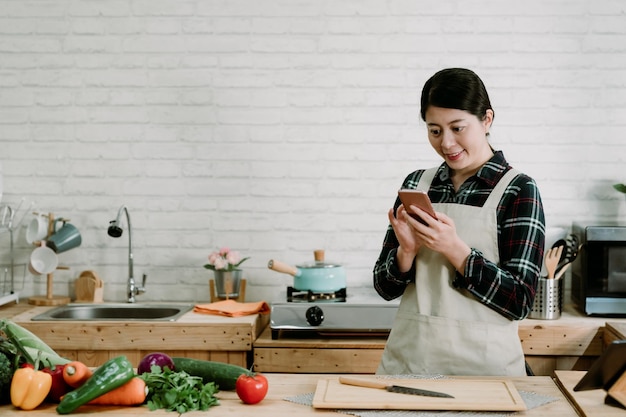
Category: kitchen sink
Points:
column 115, row 312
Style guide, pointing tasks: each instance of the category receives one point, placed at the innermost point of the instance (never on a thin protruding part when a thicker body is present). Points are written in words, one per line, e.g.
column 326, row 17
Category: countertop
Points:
column 572, row 334
column 289, row 385
column 572, row 341
column 191, row 332
column 617, row 328
column 588, row 403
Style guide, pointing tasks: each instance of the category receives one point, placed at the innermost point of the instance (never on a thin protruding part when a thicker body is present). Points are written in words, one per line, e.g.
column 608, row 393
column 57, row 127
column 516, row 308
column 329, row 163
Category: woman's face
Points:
column 460, row 138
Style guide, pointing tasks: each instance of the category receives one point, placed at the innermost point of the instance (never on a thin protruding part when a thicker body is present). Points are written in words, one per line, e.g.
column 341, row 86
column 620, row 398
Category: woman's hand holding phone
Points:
column 405, row 232
column 442, row 238
column 417, row 198
column 409, row 245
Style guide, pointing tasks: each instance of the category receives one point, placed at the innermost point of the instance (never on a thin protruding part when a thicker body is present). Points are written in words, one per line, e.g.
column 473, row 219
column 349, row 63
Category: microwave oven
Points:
column 599, row 270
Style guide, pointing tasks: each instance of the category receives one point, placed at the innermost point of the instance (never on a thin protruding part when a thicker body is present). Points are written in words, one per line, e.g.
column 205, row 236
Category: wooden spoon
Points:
column 552, row 260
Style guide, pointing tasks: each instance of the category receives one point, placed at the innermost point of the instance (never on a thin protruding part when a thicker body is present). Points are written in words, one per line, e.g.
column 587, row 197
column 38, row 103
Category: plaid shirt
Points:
column 507, row 287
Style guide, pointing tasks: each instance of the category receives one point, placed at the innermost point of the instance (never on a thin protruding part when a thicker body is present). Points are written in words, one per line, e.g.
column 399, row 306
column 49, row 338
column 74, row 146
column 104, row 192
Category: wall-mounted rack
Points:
column 9, row 290
column 8, row 224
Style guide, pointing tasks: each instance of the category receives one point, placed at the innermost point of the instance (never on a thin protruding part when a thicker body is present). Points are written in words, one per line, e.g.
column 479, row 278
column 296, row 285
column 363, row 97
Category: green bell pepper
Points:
column 112, row 374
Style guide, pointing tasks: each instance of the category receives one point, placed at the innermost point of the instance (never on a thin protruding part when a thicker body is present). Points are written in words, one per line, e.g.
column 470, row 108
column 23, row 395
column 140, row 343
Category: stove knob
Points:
column 314, row 316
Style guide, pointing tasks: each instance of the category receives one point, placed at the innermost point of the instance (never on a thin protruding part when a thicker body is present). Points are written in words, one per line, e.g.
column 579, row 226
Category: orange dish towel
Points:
column 232, row 308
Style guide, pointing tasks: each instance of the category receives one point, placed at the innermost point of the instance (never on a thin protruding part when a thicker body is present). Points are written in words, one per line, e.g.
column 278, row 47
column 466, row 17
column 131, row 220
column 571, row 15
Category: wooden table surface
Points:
column 588, row 403
column 288, row 385
column 617, row 329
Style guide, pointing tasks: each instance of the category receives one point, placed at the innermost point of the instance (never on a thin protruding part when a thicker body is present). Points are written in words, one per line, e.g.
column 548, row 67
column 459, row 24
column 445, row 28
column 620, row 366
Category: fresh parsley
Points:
column 178, row 391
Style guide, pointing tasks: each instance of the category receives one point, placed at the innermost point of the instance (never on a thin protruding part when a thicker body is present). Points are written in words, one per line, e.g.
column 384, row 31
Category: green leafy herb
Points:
column 178, row 391
column 620, row 187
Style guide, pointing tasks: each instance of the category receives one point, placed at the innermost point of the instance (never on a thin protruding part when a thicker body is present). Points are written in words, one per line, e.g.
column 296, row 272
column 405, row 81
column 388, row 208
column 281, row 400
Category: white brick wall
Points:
column 277, row 127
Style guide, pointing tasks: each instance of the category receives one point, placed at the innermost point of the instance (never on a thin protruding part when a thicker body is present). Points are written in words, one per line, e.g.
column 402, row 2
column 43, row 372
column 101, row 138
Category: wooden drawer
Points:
column 318, row 355
column 285, row 360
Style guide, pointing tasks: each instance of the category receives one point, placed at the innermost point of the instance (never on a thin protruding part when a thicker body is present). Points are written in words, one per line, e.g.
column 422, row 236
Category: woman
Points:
column 467, row 276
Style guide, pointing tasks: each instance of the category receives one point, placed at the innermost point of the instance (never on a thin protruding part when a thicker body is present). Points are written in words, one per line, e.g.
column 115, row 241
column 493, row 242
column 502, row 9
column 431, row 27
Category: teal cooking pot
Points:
column 318, row 276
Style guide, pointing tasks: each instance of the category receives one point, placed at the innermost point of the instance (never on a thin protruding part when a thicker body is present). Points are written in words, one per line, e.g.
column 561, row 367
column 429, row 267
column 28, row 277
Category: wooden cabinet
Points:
column 572, row 342
column 318, row 355
column 194, row 335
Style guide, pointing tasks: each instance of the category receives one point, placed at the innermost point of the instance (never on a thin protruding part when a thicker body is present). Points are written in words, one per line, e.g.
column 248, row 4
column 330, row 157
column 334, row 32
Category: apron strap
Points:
column 426, row 179
column 498, row 191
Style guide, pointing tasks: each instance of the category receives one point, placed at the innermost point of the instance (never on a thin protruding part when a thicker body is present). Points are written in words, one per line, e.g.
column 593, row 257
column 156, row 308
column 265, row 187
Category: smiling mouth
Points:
column 454, row 156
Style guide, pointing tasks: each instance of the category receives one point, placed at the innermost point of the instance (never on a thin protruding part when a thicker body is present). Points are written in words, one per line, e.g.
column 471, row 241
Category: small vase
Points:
column 227, row 283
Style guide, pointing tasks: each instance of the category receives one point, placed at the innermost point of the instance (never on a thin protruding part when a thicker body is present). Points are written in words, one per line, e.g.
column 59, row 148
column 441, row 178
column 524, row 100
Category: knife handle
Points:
column 361, row 382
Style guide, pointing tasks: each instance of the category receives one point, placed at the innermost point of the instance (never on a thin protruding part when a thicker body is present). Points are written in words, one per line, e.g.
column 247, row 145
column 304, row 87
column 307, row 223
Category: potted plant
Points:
column 225, row 266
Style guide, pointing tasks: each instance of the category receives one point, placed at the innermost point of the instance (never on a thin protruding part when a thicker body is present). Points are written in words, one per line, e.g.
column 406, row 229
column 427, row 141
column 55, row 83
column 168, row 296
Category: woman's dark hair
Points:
column 456, row 88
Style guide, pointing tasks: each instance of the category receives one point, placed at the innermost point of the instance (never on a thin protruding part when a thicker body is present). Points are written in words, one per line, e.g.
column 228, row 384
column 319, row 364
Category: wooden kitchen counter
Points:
column 572, row 334
column 614, row 331
column 588, row 403
column 571, row 342
column 196, row 335
column 289, row 385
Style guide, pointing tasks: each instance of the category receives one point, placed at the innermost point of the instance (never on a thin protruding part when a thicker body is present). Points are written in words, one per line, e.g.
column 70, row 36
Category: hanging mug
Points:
column 43, row 261
column 66, row 238
column 37, row 228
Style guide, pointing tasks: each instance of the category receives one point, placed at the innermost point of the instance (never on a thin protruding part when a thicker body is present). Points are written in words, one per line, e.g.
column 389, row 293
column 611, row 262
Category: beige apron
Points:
column 443, row 330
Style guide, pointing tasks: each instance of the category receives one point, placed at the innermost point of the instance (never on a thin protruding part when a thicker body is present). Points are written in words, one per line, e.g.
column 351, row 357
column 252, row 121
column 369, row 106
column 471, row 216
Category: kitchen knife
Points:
column 381, row 384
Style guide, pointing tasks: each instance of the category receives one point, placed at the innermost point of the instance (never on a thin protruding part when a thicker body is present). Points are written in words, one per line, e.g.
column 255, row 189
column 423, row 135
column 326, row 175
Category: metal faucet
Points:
column 115, row 230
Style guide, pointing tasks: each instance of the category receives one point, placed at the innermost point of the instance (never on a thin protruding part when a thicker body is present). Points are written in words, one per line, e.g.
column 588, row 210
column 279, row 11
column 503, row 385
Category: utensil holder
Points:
column 548, row 299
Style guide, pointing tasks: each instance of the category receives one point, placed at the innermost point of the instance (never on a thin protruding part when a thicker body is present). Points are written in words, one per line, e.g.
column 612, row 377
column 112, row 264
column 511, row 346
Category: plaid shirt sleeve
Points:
column 389, row 282
column 507, row 287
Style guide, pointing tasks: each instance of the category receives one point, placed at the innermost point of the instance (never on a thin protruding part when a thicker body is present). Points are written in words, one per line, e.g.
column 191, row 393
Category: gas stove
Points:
column 307, row 296
column 342, row 313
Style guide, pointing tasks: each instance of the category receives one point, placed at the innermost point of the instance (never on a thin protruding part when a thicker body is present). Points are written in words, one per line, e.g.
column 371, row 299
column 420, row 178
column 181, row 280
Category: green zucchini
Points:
column 112, row 374
column 29, row 345
column 223, row 374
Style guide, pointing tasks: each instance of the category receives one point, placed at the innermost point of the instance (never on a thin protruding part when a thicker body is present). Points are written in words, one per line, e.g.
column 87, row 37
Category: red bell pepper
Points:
column 59, row 387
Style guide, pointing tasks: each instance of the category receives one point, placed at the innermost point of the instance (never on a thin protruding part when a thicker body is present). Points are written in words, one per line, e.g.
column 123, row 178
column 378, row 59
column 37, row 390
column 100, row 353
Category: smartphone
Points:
column 417, row 198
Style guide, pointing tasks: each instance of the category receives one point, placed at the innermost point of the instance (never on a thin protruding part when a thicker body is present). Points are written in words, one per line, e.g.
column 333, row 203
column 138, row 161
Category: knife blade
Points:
column 380, row 384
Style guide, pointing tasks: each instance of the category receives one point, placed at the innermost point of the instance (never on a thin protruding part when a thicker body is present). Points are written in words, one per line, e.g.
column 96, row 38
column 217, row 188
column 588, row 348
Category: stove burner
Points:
column 308, row 296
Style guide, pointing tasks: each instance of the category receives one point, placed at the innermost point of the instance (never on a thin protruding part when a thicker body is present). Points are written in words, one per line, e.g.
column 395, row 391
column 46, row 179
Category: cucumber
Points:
column 223, row 374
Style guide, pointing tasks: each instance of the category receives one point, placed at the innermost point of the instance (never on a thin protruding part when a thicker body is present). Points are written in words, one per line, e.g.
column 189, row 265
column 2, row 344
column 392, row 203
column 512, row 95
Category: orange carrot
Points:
column 133, row 392
column 76, row 373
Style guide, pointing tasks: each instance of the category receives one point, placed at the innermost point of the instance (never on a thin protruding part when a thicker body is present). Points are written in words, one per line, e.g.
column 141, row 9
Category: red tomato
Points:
column 251, row 389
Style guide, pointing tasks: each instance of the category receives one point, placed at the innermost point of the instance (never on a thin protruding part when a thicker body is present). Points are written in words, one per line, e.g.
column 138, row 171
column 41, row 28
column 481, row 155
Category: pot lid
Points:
column 319, row 261
column 317, row 265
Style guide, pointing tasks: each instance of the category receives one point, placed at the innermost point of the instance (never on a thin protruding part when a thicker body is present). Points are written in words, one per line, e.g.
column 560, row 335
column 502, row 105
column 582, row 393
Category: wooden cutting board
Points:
column 469, row 395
